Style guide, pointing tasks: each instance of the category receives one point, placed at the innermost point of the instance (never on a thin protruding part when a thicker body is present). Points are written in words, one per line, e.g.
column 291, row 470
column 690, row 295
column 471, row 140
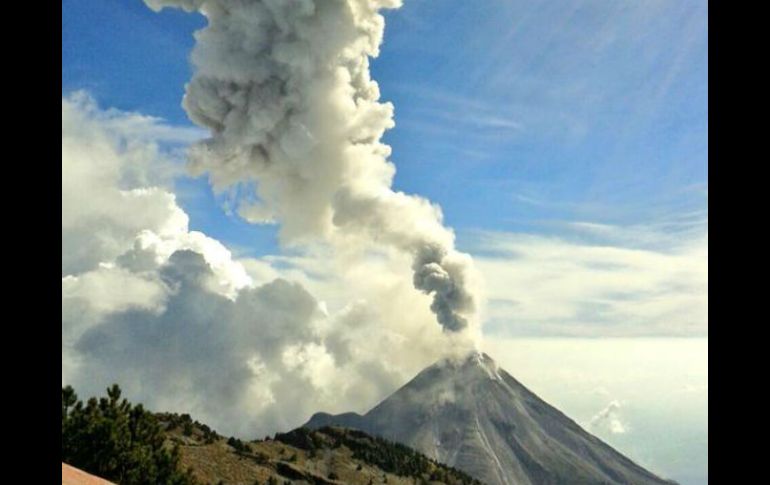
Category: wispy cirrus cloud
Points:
column 438, row 112
column 596, row 280
column 135, row 126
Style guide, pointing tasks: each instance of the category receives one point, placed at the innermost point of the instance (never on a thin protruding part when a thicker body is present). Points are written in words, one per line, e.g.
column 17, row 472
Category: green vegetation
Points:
column 239, row 445
column 118, row 441
column 390, row 457
column 126, row 444
column 172, row 421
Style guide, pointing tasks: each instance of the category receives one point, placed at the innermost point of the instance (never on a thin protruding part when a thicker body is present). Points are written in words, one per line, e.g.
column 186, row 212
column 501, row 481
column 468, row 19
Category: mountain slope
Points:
column 114, row 438
column 472, row 415
column 328, row 456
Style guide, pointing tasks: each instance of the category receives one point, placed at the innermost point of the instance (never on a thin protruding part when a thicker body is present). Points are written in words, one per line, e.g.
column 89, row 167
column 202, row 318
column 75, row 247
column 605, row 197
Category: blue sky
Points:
column 513, row 116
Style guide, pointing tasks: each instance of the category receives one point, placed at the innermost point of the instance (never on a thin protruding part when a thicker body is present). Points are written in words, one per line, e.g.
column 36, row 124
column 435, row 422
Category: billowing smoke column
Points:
column 285, row 90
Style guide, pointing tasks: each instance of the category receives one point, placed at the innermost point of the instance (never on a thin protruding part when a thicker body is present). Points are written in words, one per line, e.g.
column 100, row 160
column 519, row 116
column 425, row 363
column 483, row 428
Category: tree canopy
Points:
column 118, row 441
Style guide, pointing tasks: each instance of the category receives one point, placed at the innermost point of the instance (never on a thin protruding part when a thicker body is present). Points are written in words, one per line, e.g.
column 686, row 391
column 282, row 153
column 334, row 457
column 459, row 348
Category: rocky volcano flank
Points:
column 472, row 415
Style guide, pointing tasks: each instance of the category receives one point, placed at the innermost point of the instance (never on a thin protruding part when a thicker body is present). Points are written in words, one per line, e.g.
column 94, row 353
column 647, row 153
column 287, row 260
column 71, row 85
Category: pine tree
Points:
column 117, row 441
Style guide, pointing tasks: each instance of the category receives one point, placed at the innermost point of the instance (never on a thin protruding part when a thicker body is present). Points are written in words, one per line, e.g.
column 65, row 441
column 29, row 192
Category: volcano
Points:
column 471, row 414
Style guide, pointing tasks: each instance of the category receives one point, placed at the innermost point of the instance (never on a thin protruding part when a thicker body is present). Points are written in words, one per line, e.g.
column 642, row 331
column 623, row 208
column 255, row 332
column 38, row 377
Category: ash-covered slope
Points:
column 472, row 415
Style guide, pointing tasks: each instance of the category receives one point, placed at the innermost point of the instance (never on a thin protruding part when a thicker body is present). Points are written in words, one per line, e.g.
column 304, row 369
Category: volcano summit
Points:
column 470, row 414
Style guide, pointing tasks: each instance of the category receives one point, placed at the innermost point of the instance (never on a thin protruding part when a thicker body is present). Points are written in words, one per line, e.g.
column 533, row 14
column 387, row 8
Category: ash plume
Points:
column 295, row 120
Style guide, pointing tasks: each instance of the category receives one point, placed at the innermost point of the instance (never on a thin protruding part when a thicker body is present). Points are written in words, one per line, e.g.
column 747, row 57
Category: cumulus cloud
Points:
column 596, row 280
column 295, row 120
column 209, row 353
column 249, row 346
column 104, row 185
column 608, row 420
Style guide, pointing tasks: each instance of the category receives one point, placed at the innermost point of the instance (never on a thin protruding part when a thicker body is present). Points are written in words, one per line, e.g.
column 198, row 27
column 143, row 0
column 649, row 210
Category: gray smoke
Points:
column 296, row 126
column 181, row 324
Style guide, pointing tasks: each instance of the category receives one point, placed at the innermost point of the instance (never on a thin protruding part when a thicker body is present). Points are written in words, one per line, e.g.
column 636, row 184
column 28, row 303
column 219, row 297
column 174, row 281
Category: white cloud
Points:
column 100, row 286
column 182, row 325
column 111, row 186
column 608, row 281
column 132, row 128
column 609, row 420
column 116, row 200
